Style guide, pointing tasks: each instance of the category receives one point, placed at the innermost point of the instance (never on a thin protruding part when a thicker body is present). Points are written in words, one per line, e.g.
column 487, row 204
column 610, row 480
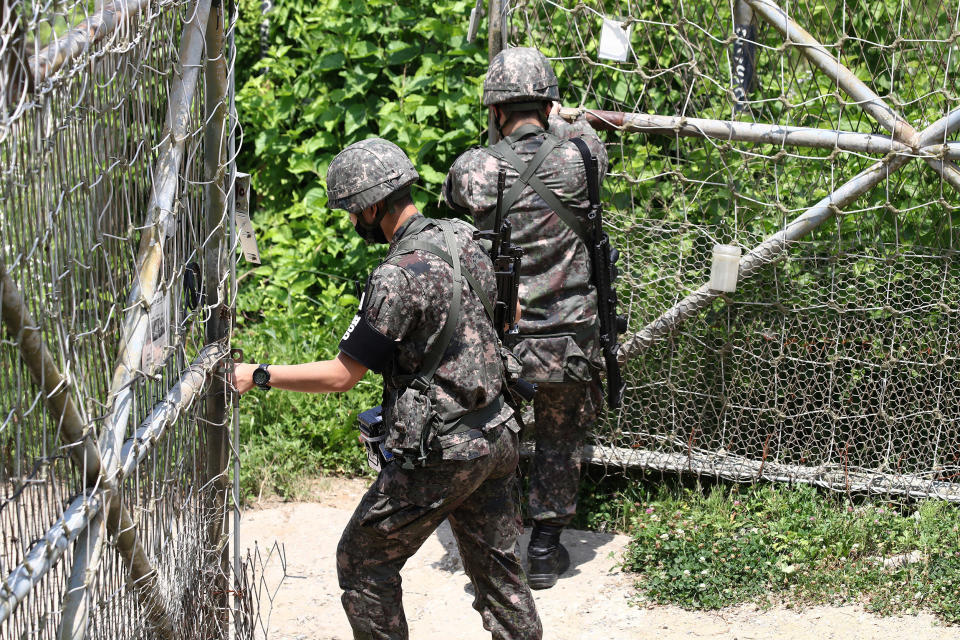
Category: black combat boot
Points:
column 547, row 558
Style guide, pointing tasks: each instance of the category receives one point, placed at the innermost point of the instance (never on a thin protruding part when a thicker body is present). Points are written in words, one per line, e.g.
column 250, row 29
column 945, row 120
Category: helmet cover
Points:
column 367, row 172
column 520, row 74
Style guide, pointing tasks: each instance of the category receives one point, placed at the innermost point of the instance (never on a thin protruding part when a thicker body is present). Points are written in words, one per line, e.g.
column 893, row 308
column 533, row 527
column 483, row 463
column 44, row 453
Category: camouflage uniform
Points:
column 559, row 327
column 471, row 481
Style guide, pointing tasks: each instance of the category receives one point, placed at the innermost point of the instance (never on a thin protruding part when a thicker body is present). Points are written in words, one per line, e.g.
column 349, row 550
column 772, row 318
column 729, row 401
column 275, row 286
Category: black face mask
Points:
column 371, row 233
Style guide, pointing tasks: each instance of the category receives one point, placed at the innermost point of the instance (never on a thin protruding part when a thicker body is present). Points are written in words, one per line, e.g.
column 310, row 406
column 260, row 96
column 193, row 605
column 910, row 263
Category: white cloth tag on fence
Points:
column 158, row 333
column 248, row 241
column 614, row 41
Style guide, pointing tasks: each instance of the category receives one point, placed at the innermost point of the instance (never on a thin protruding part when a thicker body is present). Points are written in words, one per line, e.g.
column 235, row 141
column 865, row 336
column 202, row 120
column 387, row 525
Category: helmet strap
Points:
column 496, row 111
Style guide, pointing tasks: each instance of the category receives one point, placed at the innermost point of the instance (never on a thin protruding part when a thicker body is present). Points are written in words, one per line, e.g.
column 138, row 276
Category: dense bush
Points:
column 333, row 73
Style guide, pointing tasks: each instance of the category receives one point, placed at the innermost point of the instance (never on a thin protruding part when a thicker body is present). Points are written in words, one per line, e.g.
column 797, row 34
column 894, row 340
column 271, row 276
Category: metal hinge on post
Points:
column 476, row 15
column 248, row 241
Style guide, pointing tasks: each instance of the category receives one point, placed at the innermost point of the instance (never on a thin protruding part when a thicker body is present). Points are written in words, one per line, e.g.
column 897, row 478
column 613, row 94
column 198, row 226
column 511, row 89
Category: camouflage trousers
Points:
column 563, row 414
column 399, row 512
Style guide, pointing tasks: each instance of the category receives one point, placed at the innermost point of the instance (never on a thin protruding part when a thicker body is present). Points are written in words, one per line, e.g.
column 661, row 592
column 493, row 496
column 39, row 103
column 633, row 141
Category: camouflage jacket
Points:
column 408, row 300
column 556, row 293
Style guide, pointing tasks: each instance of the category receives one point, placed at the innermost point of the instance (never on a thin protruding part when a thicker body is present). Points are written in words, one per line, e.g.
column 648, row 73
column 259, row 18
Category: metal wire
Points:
column 819, row 137
column 115, row 251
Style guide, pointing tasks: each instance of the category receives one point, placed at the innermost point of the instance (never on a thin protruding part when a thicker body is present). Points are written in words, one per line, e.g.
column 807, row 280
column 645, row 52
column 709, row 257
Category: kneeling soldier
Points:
column 449, row 445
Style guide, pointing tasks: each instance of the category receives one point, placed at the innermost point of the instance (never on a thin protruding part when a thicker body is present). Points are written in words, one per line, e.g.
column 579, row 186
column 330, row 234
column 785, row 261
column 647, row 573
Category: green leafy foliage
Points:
column 704, row 548
column 332, row 73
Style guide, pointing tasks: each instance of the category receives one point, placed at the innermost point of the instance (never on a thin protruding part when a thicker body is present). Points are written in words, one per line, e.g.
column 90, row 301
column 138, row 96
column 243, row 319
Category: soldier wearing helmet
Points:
column 545, row 199
column 449, row 445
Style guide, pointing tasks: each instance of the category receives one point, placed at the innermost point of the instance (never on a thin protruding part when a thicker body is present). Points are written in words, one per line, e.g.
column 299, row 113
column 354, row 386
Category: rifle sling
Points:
column 593, row 180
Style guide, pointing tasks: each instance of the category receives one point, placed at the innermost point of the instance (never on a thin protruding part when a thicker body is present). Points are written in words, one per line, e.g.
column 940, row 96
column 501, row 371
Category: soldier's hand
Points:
column 243, row 376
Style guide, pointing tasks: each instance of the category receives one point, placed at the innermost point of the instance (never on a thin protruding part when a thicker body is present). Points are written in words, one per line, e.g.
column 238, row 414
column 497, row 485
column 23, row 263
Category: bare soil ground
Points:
column 594, row 600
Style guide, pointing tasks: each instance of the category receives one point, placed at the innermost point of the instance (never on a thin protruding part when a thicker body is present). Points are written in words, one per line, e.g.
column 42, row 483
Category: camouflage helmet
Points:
column 520, row 75
column 367, row 172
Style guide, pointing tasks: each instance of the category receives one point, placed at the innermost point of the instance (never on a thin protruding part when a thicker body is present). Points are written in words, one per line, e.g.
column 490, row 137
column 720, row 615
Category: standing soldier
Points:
column 449, row 441
column 546, row 198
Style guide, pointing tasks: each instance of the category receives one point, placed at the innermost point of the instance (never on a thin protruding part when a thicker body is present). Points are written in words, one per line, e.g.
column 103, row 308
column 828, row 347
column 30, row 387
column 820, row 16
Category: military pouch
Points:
column 520, row 389
column 413, row 422
column 555, row 358
column 372, row 436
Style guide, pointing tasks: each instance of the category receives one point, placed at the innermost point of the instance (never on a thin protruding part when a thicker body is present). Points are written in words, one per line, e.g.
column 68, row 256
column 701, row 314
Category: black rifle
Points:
column 603, row 263
column 506, row 266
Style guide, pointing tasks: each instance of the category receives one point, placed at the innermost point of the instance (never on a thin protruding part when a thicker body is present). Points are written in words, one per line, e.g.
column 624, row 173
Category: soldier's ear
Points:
column 369, row 214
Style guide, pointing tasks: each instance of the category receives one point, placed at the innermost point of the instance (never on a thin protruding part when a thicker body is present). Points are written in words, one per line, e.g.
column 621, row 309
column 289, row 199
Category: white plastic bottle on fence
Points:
column 725, row 267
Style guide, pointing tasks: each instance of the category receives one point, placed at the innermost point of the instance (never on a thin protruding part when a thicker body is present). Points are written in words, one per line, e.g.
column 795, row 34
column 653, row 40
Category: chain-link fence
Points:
column 820, row 138
column 116, row 162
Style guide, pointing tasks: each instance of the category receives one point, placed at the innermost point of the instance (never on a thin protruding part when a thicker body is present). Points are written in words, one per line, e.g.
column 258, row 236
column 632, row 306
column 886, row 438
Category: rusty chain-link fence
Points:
column 117, row 138
column 819, row 138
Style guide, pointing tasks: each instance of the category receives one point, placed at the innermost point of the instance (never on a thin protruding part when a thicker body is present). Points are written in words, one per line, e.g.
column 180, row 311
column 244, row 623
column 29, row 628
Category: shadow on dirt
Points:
column 582, row 546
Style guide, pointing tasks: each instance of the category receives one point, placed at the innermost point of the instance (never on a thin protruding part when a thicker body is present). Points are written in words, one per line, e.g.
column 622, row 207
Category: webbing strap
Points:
column 504, row 150
column 528, row 174
column 593, row 177
column 429, row 247
column 431, row 360
column 451, row 255
column 473, row 420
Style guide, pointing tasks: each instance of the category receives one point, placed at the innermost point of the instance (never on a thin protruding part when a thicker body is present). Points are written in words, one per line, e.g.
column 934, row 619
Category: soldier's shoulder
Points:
column 391, row 275
column 471, row 160
column 462, row 226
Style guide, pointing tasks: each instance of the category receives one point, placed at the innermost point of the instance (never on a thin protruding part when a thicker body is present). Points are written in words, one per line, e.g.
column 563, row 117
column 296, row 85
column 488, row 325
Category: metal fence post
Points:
column 744, row 55
column 217, row 302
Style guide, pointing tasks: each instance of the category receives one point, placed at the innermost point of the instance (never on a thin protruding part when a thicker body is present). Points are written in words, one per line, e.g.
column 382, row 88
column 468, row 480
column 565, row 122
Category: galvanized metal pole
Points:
column 88, row 551
column 865, row 97
column 232, row 219
column 217, row 302
column 45, row 553
column 160, row 217
column 771, row 248
column 178, row 398
column 43, row 370
column 735, row 131
column 82, row 450
column 72, row 44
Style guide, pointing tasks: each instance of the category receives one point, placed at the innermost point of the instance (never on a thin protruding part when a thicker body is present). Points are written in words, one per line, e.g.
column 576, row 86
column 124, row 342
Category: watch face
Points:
column 260, row 376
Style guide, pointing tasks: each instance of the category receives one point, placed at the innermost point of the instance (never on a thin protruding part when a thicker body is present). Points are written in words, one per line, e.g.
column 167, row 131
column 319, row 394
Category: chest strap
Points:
column 503, row 150
column 472, row 420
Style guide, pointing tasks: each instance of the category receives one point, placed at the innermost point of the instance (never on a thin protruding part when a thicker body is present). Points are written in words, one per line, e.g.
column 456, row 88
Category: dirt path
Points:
column 589, row 603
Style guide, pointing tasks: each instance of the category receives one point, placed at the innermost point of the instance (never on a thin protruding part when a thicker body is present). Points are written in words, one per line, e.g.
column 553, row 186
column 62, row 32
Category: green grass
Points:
column 708, row 548
column 289, row 437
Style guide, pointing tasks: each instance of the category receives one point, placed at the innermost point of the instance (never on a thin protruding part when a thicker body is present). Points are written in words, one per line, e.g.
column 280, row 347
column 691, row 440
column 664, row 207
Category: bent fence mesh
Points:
column 821, row 139
column 115, row 249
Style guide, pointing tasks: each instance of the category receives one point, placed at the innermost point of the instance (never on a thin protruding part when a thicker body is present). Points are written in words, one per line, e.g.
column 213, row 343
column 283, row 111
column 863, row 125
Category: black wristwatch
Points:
column 261, row 377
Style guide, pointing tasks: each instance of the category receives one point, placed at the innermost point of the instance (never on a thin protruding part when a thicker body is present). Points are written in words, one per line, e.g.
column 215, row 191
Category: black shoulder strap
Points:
column 593, row 177
column 504, row 151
